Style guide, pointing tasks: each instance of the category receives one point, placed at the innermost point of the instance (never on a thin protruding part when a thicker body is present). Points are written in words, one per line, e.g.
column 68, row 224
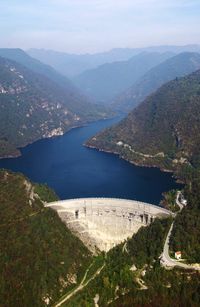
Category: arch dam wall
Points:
column 102, row 223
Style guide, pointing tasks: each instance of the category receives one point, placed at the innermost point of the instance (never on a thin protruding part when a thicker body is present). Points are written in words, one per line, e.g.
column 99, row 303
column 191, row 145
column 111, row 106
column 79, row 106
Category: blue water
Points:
column 73, row 170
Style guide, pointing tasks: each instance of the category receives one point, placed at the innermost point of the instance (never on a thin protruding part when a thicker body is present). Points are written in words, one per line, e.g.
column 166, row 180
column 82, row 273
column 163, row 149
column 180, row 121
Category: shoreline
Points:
column 135, row 163
column 130, row 161
column 11, row 156
column 17, row 155
column 18, row 149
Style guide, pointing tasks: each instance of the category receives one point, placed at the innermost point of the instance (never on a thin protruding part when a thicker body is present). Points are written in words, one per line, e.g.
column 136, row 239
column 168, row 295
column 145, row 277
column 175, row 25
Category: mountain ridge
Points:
column 72, row 65
column 163, row 131
column 20, row 56
column 33, row 107
column 106, row 81
column 177, row 66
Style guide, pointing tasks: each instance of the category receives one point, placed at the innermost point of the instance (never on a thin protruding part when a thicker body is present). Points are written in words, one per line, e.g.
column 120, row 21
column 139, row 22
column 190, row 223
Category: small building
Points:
column 184, row 202
column 178, row 255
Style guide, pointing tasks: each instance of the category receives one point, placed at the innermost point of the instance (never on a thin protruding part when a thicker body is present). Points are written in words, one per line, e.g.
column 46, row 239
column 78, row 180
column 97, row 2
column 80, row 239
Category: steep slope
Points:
column 163, row 131
column 33, row 106
column 186, row 231
column 133, row 276
column 39, row 257
column 108, row 80
column 177, row 66
column 72, row 65
column 21, row 57
column 41, row 260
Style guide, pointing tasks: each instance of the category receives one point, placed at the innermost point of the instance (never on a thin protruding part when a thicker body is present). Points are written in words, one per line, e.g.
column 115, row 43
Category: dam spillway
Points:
column 102, row 223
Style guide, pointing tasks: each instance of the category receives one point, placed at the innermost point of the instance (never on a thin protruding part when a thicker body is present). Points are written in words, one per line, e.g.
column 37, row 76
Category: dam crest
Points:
column 102, row 223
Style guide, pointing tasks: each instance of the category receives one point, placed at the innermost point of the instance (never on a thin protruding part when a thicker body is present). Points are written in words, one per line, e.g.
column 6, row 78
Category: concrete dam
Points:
column 102, row 223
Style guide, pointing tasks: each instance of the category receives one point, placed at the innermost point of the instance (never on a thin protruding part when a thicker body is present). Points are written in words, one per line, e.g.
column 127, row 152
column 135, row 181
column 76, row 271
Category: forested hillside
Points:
column 21, row 57
column 32, row 107
column 39, row 257
column 133, row 276
column 163, row 131
column 177, row 66
column 41, row 260
column 186, row 231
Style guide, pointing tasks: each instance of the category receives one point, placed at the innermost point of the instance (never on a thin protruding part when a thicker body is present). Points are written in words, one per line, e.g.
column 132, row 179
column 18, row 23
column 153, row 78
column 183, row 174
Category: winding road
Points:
column 165, row 258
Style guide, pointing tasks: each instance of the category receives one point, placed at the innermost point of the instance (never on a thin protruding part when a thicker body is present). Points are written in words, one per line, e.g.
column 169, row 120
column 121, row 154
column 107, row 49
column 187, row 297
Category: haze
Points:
column 80, row 26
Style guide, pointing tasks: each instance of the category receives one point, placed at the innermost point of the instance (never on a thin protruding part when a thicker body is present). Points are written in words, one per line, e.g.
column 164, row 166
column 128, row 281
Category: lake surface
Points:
column 74, row 171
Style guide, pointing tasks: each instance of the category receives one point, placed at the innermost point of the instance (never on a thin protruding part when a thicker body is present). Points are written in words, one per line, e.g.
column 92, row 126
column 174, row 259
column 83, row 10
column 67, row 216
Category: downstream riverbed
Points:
column 74, row 171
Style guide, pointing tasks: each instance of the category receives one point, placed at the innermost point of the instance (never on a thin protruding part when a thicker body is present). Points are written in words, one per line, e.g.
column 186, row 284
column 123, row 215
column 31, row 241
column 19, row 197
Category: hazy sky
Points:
column 96, row 25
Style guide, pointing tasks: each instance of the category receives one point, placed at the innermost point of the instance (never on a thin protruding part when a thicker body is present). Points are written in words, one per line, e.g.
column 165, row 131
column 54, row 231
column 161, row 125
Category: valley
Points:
column 148, row 137
column 88, row 217
column 73, row 170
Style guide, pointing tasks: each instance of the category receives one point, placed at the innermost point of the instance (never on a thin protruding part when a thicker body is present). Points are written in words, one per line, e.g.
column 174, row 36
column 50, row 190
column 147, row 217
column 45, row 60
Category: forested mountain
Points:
column 163, row 130
column 39, row 257
column 74, row 64
column 32, row 107
column 177, row 66
column 21, row 57
column 133, row 276
column 41, row 260
column 108, row 80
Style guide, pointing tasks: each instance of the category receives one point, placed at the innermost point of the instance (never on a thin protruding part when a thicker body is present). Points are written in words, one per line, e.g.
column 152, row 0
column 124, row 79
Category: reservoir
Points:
column 75, row 171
